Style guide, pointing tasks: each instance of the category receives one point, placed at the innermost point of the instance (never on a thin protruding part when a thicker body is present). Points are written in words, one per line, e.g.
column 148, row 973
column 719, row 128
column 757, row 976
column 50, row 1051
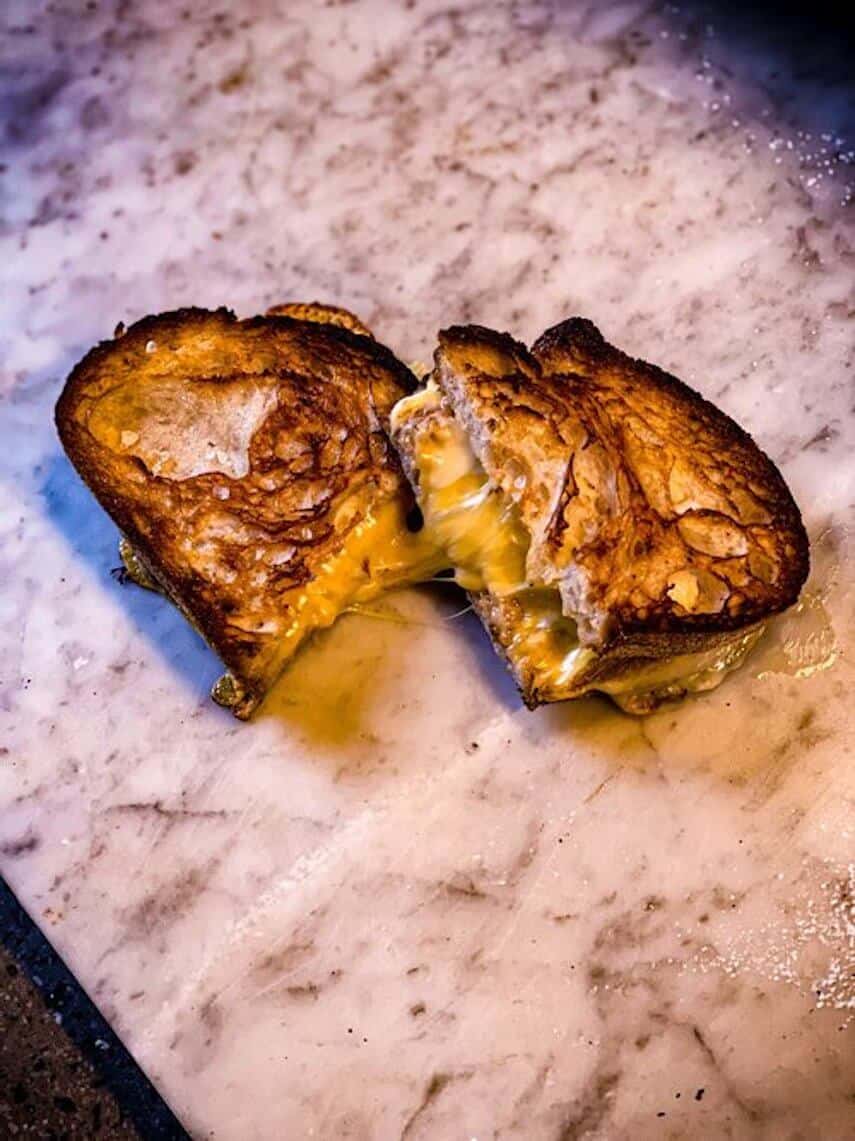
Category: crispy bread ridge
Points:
column 324, row 314
column 648, row 508
column 236, row 456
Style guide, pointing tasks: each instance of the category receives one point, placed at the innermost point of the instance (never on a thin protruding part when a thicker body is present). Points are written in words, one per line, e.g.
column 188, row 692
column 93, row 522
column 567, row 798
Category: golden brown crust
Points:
column 324, row 314
column 651, row 510
column 236, row 456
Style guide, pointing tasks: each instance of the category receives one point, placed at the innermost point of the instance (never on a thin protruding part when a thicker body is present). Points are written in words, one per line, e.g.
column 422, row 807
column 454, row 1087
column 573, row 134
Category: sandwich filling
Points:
column 379, row 554
column 480, row 530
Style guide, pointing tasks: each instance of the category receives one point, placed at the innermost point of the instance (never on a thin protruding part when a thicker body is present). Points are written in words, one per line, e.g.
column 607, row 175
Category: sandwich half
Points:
column 615, row 531
column 248, row 468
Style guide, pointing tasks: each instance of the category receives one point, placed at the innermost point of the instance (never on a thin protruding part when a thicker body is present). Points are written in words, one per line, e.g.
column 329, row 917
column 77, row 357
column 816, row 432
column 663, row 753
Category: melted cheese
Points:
column 467, row 517
column 642, row 689
column 380, row 553
column 474, row 523
column 546, row 639
column 480, row 531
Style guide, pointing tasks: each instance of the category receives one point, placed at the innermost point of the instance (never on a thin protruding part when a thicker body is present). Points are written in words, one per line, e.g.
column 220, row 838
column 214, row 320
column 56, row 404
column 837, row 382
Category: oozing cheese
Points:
column 470, row 520
column 546, row 638
column 639, row 690
column 480, row 531
column 380, row 553
column 479, row 528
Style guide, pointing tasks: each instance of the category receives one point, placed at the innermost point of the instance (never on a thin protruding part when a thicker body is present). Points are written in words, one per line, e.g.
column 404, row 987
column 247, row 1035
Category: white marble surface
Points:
column 397, row 905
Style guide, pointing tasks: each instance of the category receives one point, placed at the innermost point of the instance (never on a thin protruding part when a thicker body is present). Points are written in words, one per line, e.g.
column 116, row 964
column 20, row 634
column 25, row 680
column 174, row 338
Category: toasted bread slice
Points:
column 247, row 465
column 616, row 530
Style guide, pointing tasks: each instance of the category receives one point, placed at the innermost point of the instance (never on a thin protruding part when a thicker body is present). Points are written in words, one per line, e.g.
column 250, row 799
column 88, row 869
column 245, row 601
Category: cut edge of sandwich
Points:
column 474, row 490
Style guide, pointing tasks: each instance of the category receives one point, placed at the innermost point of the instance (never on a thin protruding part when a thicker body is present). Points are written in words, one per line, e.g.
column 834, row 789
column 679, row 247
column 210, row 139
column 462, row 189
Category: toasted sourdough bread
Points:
column 247, row 465
column 633, row 538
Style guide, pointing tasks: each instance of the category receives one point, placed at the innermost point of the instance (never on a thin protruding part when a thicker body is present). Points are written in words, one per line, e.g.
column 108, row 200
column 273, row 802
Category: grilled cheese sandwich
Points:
column 521, row 473
column 615, row 532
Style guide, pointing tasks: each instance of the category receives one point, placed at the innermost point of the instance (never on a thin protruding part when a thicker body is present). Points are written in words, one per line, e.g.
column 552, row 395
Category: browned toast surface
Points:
column 649, row 508
column 615, row 530
column 238, row 457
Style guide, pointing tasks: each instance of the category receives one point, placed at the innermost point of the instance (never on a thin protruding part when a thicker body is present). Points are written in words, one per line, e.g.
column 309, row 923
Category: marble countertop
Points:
column 398, row 905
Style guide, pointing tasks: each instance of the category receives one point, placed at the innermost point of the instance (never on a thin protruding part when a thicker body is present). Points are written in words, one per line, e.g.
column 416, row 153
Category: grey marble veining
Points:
column 397, row 905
